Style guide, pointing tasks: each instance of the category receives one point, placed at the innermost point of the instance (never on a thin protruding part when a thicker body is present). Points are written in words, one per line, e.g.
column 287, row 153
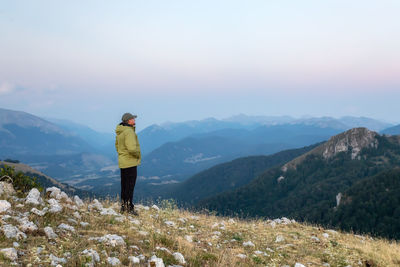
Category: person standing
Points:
column 129, row 157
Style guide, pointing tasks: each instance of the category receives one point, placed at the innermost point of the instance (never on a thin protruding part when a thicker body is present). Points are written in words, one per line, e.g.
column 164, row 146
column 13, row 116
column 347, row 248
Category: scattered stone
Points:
column 231, row 221
column 248, row 244
column 6, row 188
column 54, row 191
column 66, row 227
column 15, row 244
column 134, row 260
column 108, row 211
column 326, row 264
column 4, row 205
column 134, row 221
column 242, row 256
column 71, row 207
column 9, row 253
column 55, row 260
column 70, row 220
column 78, row 201
column 155, row 207
column 299, row 265
column 95, row 205
column 156, row 262
column 27, row 226
column 189, row 238
column 77, row 215
column 10, row 231
column 325, row 235
column 50, row 233
column 84, row 224
column 315, row 239
column 143, row 233
column 39, row 212
column 273, row 224
column 113, row 261
column 55, row 207
column 93, row 255
column 179, row 258
column 182, row 220
column 134, row 247
column 33, row 197
column 279, row 238
column 170, row 223
column 164, row 249
column 196, row 218
column 112, row 240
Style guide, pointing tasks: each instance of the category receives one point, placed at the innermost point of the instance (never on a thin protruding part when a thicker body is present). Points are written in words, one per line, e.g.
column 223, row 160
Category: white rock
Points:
column 315, row 239
column 134, row 247
column 325, row 235
column 299, row 265
column 248, row 244
column 93, row 254
column 77, row 215
column 231, row 221
column 134, row 221
column 273, row 224
column 33, row 197
column 156, row 262
column 55, row 260
column 64, row 196
column 189, row 238
column 39, row 212
column 113, row 261
column 143, row 233
column 50, row 233
column 55, row 206
column 6, row 188
column 155, row 207
column 242, row 256
column 164, row 249
column 112, row 240
column 134, row 260
column 84, row 224
column 108, row 211
column 279, row 239
column 15, row 244
column 70, row 220
column 54, row 191
column 9, row 253
column 66, row 227
column 11, row 231
column 78, row 201
column 95, row 205
column 27, row 226
column 170, row 223
column 4, row 206
column 179, row 258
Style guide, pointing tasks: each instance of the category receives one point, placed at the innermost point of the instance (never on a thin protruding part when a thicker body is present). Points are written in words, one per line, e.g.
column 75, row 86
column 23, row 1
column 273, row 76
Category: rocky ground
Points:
column 53, row 229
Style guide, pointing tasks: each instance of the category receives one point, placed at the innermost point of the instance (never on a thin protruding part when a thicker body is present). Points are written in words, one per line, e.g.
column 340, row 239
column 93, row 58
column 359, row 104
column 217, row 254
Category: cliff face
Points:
column 353, row 140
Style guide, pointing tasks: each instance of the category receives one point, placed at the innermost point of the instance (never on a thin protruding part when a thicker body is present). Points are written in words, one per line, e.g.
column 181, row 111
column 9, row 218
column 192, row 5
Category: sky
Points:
column 91, row 61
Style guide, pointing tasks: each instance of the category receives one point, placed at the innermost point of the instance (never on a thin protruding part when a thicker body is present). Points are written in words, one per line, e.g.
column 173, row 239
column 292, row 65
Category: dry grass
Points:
column 209, row 248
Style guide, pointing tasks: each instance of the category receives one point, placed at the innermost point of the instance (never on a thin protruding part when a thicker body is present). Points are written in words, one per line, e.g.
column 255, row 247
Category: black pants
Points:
column 128, row 181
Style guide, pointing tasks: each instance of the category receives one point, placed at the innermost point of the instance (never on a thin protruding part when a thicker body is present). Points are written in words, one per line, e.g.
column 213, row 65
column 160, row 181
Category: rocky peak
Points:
column 353, row 140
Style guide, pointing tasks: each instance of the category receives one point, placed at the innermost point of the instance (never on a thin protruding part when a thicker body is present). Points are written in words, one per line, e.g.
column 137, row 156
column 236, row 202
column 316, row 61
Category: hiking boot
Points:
column 133, row 212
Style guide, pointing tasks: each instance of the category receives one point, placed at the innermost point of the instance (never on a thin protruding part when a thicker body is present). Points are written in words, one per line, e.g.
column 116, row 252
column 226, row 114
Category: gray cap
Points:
column 127, row 116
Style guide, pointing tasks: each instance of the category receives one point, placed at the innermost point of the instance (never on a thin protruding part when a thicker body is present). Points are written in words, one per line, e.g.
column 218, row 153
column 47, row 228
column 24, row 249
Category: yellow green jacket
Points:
column 127, row 146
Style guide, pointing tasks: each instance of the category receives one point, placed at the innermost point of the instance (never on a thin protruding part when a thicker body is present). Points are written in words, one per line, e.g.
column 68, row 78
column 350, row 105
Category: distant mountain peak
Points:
column 353, row 140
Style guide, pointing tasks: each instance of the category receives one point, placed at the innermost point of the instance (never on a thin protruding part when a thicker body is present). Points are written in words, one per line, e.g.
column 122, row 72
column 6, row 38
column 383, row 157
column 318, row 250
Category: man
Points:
column 127, row 145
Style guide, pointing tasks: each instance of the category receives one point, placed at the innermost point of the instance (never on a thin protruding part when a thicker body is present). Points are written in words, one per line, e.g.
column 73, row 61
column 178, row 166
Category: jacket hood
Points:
column 120, row 128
